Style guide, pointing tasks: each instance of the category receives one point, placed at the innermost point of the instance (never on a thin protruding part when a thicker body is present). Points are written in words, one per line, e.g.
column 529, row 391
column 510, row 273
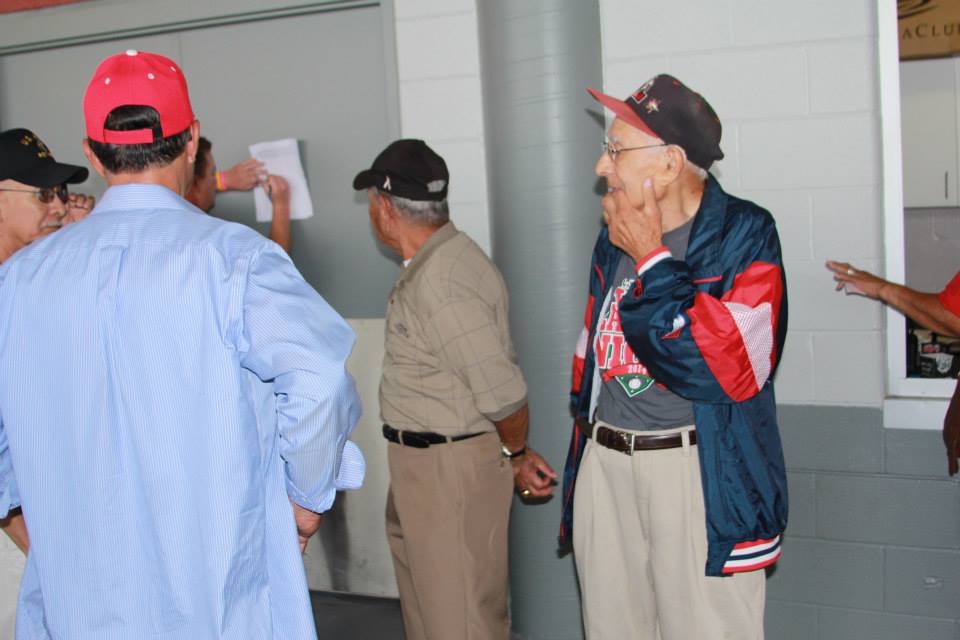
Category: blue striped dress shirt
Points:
column 168, row 383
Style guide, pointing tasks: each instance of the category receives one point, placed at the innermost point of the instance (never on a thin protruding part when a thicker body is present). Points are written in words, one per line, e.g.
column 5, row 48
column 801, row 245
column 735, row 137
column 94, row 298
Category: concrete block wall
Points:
column 439, row 77
column 795, row 85
column 872, row 549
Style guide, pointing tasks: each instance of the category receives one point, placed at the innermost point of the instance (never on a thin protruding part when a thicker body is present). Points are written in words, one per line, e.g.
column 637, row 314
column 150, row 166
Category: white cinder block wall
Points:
column 438, row 64
column 795, row 84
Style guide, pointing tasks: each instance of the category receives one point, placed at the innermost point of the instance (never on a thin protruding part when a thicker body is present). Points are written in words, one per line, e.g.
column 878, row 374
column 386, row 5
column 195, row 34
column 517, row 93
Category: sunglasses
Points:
column 47, row 194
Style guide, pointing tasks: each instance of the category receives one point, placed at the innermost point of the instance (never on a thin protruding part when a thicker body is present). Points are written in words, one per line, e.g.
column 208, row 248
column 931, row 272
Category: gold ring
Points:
column 525, row 493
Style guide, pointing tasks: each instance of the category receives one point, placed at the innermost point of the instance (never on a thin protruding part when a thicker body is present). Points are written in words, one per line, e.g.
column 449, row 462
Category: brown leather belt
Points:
column 423, row 439
column 627, row 443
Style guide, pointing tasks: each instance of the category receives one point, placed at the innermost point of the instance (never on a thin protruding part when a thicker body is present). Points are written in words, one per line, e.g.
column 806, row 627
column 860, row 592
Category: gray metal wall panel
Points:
column 318, row 78
column 43, row 91
column 321, row 78
column 537, row 58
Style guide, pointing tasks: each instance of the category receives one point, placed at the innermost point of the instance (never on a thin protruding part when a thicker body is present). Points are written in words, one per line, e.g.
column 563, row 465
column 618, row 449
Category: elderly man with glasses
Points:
column 34, row 199
column 34, row 202
column 675, row 487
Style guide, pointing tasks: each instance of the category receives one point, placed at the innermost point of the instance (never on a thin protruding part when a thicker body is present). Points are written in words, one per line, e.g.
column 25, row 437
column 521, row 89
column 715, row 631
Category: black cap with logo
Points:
column 408, row 169
column 667, row 109
column 24, row 158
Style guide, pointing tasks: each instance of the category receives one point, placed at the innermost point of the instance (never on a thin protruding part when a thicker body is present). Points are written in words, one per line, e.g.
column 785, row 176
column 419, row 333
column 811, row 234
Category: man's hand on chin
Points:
column 635, row 231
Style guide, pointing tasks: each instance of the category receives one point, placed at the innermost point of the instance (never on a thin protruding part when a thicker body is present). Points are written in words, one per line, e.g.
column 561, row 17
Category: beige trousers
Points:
column 447, row 515
column 12, row 562
column 640, row 542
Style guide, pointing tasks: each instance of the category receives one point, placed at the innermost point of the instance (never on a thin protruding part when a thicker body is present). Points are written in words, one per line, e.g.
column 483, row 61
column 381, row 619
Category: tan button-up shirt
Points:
column 449, row 365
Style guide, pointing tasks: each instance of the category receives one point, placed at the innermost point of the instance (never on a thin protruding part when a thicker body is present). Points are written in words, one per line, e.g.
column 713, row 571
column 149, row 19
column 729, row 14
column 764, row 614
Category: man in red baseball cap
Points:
column 173, row 390
column 675, row 488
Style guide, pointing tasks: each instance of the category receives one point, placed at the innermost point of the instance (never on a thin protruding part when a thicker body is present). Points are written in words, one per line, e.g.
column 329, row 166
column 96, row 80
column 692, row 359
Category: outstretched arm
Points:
column 242, row 176
column 926, row 309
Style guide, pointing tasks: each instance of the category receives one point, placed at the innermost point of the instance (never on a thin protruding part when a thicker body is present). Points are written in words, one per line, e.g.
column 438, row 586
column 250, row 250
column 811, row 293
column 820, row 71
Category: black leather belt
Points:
column 626, row 442
column 422, row 439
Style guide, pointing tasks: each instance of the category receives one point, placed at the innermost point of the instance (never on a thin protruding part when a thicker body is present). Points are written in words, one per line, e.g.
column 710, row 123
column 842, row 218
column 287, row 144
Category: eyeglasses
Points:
column 612, row 150
column 47, row 194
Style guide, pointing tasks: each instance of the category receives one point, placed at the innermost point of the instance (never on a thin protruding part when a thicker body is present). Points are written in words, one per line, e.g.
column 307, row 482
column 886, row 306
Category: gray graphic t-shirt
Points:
column 629, row 397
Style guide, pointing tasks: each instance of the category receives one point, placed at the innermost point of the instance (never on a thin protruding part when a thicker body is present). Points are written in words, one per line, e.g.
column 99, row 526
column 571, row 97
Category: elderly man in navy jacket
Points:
column 675, row 490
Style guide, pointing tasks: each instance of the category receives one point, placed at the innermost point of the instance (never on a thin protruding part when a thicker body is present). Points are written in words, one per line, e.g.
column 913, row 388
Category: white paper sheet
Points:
column 282, row 158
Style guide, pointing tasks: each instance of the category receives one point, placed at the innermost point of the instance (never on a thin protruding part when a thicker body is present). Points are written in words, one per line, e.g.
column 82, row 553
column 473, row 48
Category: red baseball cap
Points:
column 137, row 78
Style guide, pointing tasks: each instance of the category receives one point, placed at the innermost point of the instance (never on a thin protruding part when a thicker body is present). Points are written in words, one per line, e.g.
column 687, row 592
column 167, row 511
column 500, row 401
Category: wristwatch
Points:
column 510, row 455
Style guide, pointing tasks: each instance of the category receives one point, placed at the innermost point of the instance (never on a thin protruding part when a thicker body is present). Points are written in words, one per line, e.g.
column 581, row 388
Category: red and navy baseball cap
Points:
column 24, row 158
column 667, row 109
column 408, row 169
column 137, row 78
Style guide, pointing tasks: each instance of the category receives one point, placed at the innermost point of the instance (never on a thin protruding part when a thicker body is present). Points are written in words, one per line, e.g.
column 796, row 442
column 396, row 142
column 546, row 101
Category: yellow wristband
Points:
column 221, row 185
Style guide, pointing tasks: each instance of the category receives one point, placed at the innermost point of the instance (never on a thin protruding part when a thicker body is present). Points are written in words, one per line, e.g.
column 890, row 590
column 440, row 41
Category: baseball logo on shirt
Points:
column 615, row 358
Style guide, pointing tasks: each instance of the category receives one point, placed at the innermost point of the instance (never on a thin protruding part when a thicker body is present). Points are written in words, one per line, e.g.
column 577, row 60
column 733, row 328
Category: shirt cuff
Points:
column 352, row 468
column 9, row 500
column 509, row 410
column 349, row 476
column 645, row 263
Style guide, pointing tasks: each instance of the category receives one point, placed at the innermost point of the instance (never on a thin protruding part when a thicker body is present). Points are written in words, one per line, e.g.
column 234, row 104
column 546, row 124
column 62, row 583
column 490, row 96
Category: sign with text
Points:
column 928, row 28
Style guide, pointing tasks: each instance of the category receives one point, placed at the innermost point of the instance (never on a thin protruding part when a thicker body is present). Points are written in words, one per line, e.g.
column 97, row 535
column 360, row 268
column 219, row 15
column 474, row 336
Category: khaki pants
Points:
column 447, row 515
column 640, row 541
column 12, row 562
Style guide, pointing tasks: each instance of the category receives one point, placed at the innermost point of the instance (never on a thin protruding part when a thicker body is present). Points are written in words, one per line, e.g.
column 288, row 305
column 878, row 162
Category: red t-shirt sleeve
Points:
column 950, row 296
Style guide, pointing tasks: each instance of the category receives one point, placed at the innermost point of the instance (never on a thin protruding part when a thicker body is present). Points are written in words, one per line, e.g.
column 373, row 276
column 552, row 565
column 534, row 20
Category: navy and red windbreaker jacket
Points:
column 710, row 328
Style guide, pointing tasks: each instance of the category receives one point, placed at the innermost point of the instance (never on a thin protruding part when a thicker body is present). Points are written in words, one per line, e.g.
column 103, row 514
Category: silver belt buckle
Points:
column 633, row 437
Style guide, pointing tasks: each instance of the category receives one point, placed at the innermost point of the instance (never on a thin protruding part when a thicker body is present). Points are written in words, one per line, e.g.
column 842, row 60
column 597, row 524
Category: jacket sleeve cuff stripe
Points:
column 645, row 263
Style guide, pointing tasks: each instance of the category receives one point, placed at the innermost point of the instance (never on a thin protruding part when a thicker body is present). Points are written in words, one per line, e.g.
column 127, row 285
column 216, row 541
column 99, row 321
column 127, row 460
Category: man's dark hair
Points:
column 131, row 158
column 203, row 154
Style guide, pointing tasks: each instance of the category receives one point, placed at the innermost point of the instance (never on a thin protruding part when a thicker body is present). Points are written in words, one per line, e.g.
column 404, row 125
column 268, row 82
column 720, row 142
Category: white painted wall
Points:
column 438, row 64
column 795, row 86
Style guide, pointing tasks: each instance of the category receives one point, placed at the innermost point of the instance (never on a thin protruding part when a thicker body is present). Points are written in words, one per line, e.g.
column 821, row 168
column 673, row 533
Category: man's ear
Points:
column 194, row 142
column 674, row 161
column 387, row 210
column 93, row 159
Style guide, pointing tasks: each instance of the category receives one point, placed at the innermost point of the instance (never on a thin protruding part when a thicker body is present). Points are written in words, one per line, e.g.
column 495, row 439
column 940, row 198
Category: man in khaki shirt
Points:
column 454, row 407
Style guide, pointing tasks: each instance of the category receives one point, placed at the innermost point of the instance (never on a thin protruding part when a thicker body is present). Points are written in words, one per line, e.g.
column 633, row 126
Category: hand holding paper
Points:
column 282, row 158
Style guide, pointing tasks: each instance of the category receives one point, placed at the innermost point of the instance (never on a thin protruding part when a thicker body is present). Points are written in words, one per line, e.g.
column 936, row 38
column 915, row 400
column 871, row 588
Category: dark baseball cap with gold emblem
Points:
column 665, row 108
column 24, row 158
